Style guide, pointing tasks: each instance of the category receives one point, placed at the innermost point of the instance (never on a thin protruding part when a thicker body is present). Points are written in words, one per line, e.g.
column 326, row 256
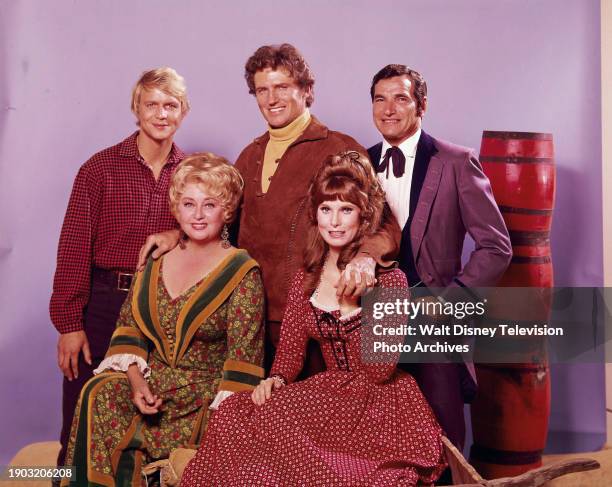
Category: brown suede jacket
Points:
column 273, row 225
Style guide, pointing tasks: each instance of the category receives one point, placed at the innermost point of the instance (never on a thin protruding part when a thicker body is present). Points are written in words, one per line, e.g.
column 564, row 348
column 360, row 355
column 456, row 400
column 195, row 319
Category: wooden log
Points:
column 539, row 476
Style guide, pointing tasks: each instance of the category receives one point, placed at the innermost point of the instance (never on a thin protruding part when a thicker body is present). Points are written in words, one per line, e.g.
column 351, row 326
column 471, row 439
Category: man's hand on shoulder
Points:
column 69, row 346
column 159, row 243
column 357, row 277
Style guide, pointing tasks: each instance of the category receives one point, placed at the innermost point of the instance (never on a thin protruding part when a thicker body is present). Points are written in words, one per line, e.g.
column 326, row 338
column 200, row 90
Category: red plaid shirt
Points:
column 115, row 204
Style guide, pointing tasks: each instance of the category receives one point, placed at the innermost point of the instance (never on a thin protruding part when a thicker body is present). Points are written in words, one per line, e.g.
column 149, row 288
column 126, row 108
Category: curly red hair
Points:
column 347, row 176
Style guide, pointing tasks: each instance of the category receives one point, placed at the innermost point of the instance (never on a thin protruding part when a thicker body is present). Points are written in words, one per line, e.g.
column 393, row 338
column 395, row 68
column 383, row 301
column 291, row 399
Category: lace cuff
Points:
column 120, row 363
column 219, row 398
column 279, row 380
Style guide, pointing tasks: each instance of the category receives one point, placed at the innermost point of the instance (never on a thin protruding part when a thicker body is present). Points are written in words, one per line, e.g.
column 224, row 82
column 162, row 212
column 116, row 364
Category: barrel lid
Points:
column 491, row 134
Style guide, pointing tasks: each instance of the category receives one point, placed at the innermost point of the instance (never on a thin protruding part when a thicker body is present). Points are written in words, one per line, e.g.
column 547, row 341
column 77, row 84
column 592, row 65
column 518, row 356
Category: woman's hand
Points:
column 143, row 399
column 263, row 391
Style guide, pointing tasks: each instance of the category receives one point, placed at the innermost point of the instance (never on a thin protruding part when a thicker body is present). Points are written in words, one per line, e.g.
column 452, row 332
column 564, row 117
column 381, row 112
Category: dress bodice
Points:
column 340, row 337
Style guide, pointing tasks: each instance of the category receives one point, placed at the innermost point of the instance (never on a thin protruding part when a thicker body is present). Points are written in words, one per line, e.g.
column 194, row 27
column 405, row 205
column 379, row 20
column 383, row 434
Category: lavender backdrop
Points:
column 67, row 67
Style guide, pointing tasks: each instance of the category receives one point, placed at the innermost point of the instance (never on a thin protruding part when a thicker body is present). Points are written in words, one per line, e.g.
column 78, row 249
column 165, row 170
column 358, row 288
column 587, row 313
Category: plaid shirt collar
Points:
column 128, row 148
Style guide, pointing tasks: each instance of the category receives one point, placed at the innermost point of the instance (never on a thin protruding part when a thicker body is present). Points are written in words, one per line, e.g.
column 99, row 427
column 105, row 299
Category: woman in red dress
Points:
column 360, row 423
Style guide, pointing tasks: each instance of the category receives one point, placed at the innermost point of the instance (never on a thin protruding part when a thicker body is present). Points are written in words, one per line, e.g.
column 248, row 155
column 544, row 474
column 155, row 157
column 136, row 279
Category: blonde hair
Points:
column 167, row 80
column 215, row 174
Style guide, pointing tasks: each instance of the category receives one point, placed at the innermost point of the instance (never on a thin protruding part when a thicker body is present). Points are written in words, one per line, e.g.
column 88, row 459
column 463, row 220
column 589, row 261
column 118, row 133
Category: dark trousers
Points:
column 313, row 364
column 446, row 388
column 99, row 322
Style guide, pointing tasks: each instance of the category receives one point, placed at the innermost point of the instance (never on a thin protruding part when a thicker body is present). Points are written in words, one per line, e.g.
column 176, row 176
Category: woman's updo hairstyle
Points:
column 214, row 174
column 349, row 177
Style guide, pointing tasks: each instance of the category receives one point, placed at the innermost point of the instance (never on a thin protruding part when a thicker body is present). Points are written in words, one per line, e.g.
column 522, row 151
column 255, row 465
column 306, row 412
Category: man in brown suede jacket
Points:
column 277, row 168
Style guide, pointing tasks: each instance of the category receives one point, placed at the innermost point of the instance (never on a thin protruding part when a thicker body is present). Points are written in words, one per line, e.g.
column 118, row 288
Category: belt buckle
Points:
column 124, row 281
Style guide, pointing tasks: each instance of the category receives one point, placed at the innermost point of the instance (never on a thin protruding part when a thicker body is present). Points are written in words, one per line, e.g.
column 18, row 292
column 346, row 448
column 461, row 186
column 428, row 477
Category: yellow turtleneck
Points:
column 280, row 139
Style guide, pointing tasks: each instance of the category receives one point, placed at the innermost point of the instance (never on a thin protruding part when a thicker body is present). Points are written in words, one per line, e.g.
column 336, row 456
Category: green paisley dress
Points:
column 209, row 339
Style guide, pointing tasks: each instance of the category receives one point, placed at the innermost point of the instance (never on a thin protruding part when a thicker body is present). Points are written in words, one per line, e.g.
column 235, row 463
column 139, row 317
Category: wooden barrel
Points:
column 520, row 166
column 509, row 418
column 511, row 409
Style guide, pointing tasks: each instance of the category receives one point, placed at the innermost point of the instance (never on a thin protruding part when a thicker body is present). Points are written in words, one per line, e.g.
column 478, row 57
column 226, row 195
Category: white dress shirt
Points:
column 397, row 190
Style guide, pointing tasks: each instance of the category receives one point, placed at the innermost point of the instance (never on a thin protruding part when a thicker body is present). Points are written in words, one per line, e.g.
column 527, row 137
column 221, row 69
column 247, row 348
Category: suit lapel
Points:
column 423, row 200
column 375, row 152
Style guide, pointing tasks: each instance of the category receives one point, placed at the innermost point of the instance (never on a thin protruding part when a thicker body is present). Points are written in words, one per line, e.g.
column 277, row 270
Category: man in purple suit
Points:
column 437, row 192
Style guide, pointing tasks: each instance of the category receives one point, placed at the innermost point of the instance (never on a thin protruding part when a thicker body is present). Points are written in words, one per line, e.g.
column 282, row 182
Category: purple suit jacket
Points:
column 450, row 197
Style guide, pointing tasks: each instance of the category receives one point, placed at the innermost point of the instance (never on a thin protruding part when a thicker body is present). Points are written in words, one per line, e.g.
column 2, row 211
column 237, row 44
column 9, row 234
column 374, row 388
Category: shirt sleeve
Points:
column 384, row 245
column 291, row 352
column 127, row 337
column 71, row 284
column 482, row 219
column 120, row 362
column 243, row 369
column 379, row 367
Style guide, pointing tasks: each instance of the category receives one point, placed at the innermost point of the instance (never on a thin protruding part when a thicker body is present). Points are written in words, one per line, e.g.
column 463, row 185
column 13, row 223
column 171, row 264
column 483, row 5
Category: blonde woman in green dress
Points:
column 189, row 335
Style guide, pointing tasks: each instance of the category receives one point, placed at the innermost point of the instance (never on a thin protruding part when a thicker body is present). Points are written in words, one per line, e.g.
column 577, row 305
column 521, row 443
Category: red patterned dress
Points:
column 357, row 424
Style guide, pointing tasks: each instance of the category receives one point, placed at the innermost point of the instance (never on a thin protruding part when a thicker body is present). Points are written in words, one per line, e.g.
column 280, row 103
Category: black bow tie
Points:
column 397, row 158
